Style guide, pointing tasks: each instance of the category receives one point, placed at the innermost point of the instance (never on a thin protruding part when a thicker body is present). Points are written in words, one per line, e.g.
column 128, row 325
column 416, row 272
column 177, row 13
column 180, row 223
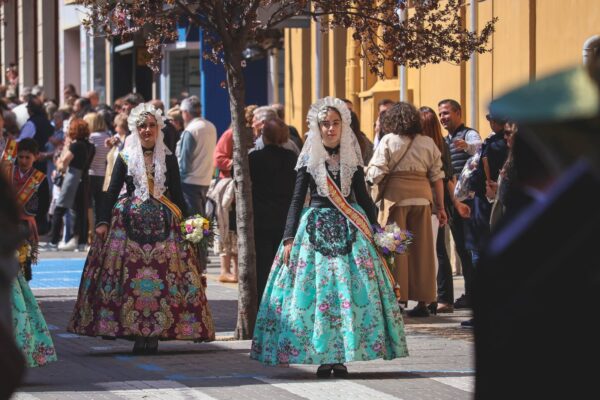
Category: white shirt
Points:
column 195, row 151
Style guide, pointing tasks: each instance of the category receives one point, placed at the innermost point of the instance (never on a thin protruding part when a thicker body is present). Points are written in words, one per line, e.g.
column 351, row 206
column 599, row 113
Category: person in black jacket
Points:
column 273, row 176
column 141, row 279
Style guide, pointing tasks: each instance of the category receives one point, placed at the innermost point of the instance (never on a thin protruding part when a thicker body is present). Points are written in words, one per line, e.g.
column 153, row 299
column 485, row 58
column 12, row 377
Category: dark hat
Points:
column 496, row 118
column 567, row 95
column 559, row 113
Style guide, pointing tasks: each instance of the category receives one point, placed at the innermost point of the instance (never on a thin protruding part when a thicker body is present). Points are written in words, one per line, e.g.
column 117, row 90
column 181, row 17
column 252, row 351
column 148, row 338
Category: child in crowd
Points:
column 31, row 332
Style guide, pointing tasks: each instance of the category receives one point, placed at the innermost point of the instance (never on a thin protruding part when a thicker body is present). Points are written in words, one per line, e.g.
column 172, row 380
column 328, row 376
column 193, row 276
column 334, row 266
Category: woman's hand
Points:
column 491, row 188
column 101, row 231
column 442, row 216
column 287, row 249
column 463, row 209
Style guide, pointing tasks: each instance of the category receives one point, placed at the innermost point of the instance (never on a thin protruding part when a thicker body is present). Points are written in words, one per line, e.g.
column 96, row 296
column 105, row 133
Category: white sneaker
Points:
column 82, row 248
column 70, row 245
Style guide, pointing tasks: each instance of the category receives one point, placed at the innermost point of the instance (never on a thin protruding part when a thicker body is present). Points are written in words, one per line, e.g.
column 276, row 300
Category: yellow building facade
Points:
column 533, row 38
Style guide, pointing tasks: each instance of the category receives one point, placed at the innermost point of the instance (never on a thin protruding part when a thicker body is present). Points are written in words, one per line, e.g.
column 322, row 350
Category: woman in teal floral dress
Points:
column 141, row 280
column 328, row 300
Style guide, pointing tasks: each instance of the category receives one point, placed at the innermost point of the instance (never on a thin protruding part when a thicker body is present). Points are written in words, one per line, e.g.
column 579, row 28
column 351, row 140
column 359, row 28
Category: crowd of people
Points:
column 117, row 182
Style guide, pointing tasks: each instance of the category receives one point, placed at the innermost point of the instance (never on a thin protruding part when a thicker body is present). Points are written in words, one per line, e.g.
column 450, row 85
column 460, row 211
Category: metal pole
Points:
column 274, row 76
column 473, row 106
column 318, row 57
column 402, row 16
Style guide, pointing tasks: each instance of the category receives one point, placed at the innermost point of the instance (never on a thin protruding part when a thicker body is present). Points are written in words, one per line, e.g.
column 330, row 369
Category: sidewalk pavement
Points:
column 440, row 365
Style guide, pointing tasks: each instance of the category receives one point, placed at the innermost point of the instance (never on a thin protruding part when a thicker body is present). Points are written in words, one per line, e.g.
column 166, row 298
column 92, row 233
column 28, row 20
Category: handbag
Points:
column 464, row 188
column 378, row 190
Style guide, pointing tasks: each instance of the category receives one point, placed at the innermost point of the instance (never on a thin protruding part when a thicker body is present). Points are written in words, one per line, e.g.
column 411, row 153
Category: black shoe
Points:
column 462, row 302
column 468, row 324
column 418, row 311
column 139, row 346
column 340, row 371
column 152, row 345
column 324, row 370
column 433, row 307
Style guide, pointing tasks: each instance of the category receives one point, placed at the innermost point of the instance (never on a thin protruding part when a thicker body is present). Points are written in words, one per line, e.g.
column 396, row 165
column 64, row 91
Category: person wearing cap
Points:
column 537, row 282
column 494, row 150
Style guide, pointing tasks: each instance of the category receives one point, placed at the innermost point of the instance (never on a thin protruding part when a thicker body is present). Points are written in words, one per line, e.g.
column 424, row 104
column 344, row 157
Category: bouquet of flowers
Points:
column 198, row 230
column 392, row 240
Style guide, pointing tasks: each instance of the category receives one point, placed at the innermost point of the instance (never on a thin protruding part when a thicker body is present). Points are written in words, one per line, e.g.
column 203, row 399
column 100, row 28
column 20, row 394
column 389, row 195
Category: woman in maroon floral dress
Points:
column 141, row 280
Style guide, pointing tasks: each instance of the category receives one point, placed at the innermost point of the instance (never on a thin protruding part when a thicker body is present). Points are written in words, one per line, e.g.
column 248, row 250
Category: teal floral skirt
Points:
column 31, row 332
column 332, row 302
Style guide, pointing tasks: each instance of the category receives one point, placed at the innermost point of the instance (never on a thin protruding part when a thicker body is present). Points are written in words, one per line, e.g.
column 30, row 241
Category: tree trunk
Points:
column 247, row 297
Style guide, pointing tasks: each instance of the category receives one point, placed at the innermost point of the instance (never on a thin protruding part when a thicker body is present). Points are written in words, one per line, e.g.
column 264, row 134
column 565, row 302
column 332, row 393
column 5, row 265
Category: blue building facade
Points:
column 185, row 71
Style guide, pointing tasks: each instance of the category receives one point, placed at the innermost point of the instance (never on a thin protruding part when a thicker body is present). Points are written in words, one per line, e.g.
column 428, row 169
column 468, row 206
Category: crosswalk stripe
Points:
column 464, row 383
column 153, row 390
column 24, row 396
column 330, row 389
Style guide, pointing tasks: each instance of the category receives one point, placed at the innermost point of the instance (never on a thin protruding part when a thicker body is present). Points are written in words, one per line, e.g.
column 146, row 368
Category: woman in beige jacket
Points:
column 413, row 164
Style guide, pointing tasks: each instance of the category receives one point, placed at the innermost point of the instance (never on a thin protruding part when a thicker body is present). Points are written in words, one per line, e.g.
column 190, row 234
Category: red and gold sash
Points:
column 361, row 223
column 163, row 199
column 29, row 187
column 10, row 151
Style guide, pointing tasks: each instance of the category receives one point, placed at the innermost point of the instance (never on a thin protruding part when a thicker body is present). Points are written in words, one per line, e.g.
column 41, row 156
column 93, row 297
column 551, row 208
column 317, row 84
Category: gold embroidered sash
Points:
column 10, row 151
column 30, row 186
column 361, row 223
column 163, row 199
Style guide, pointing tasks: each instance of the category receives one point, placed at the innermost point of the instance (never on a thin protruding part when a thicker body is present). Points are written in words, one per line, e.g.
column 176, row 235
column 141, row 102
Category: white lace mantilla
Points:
column 314, row 156
column 134, row 154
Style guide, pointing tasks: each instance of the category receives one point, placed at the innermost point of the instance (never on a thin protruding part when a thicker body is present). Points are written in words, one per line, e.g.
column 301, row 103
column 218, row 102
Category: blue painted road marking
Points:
column 149, row 367
column 57, row 273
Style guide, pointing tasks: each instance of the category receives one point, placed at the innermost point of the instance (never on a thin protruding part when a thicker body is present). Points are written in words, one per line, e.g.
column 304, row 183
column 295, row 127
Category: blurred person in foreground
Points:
column 539, row 275
column 12, row 362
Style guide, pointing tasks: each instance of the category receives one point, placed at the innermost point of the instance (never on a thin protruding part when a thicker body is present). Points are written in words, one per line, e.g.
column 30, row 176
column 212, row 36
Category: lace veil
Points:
column 135, row 156
column 314, row 156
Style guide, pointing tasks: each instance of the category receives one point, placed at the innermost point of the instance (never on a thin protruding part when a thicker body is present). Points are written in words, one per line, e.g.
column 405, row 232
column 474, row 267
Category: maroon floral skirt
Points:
column 143, row 280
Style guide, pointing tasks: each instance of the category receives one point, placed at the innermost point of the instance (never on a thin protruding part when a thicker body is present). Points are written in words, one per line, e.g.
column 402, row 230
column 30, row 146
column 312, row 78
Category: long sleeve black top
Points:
column 119, row 177
column 305, row 181
column 272, row 172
